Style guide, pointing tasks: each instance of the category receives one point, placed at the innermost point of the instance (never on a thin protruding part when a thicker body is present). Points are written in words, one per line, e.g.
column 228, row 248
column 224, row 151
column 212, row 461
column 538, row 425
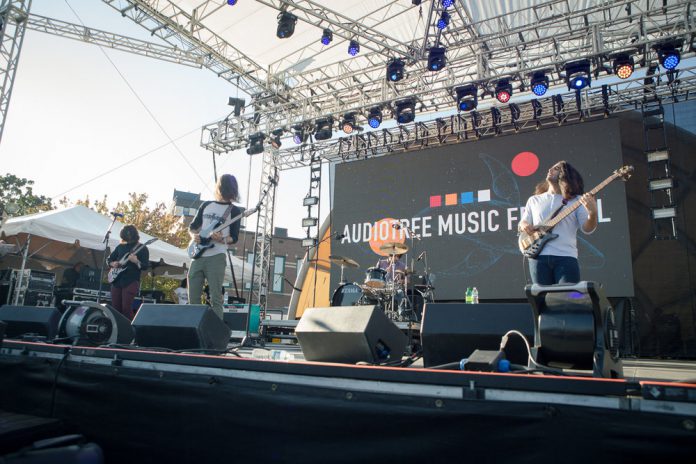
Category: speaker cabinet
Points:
column 180, row 327
column 452, row 331
column 22, row 320
column 349, row 334
column 88, row 322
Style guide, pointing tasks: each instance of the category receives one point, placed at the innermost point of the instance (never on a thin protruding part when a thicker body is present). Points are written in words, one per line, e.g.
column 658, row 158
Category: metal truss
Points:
column 552, row 111
column 13, row 15
column 108, row 39
column 541, row 37
column 185, row 30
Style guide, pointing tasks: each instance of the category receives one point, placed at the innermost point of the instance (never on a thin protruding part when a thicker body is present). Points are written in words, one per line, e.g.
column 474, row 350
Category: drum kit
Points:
column 397, row 290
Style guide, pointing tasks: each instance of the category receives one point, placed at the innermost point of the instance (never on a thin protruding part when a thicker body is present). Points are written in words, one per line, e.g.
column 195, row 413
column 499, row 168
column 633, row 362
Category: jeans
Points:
column 212, row 269
column 549, row 270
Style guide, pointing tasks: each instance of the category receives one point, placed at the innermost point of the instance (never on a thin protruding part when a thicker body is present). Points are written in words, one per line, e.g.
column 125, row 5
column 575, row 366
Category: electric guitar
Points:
column 114, row 272
column 531, row 245
column 195, row 250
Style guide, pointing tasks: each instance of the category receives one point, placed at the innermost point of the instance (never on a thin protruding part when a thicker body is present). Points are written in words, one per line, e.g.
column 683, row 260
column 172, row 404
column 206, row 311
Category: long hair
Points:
column 569, row 181
column 226, row 188
column 129, row 234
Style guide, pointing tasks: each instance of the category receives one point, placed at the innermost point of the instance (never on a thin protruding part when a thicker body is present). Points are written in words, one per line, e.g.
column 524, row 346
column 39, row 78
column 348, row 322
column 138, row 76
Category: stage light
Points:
column 309, row 222
column 232, row 2
column 444, row 20
column 436, row 58
column 395, row 70
column 324, row 128
column 374, row 118
column 503, row 90
column 447, row 3
column 353, row 47
column 467, row 97
column 256, row 143
column 348, row 123
column 310, row 201
column 286, row 25
column 405, row 111
column 539, row 83
column 623, row 66
column 664, row 213
column 300, row 134
column 275, row 138
column 326, row 37
column 237, row 104
column 309, row 242
column 668, row 56
column 578, row 74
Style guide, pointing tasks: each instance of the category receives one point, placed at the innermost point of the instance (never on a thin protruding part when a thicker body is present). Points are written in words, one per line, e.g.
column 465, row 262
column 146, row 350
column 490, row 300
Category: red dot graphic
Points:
column 525, row 163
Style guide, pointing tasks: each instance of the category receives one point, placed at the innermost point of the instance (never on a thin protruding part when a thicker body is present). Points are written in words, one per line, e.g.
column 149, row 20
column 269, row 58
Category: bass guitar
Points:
column 114, row 272
column 195, row 250
column 531, row 245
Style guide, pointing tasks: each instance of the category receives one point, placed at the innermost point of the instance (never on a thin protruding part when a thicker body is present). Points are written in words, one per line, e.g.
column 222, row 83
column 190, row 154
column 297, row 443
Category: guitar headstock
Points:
column 624, row 172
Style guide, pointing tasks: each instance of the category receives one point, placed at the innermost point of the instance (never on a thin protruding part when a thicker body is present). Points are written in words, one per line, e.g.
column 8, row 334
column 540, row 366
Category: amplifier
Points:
column 88, row 294
column 35, row 280
column 37, row 298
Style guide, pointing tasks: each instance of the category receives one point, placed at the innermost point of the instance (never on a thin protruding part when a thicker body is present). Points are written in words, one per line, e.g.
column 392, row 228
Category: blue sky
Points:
column 80, row 126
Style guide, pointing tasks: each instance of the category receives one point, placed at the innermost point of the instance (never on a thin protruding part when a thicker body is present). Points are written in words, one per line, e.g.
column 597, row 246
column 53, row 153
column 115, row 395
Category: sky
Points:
column 87, row 121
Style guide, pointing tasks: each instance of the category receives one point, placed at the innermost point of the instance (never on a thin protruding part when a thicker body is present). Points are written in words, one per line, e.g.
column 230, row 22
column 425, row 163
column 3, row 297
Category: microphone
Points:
column 396, row 226
column 420, row 256
column 116, row 214
column 340, row 237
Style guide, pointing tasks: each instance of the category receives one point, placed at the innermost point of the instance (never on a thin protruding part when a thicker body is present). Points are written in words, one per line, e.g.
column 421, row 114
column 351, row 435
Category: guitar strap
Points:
column 563, row 203
column 225, row 215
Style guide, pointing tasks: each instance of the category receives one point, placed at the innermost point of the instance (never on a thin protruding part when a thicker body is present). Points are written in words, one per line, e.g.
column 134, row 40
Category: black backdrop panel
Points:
column 471, row 237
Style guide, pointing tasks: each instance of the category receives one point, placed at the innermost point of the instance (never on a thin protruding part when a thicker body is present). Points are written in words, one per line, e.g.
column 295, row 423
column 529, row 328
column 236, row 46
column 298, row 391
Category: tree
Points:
column 20, row 191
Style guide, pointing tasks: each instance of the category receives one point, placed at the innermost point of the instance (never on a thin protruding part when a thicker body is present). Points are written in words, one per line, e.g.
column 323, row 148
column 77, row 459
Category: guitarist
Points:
column 126, row 286
column 211, row 264
column 558, row 260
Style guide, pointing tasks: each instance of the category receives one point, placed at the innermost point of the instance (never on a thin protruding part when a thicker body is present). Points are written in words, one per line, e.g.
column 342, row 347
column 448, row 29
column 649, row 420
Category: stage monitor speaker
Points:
column 180, row 327
column 87, row 322
column 452, row 331
column 350, row 334
column 575, row 328
column 37, row 320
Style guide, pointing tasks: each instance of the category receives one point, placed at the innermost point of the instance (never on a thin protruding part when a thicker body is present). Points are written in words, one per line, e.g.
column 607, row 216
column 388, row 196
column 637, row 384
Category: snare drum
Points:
column 375, row 277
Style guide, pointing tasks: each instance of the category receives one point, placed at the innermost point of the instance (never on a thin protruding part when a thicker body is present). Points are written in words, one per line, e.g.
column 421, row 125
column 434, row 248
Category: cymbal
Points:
column 394, row 248
column 341, row 261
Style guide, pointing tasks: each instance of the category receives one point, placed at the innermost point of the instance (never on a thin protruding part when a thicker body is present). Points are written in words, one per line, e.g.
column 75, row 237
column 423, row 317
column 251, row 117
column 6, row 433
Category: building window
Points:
column 178, row 211
column 278, row 273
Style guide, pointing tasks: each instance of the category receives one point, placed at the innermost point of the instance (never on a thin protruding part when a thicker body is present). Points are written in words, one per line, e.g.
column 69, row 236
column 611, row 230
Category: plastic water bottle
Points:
column 474, row 296
column 469, row 295
column 276, row 355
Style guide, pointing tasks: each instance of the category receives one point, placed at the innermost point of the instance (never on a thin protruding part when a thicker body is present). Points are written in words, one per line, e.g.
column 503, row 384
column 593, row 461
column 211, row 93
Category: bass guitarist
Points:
column 126, row 285
column 211, row 263
column 558, row 260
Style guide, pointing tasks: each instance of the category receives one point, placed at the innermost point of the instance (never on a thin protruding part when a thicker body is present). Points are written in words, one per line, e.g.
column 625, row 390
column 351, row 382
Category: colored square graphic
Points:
column 451, row 199
column 484, row 195
column 467, row 197
column 435, row 201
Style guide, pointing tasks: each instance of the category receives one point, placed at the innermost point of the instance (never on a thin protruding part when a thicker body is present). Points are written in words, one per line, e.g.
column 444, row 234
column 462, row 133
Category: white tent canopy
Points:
column 69, row 235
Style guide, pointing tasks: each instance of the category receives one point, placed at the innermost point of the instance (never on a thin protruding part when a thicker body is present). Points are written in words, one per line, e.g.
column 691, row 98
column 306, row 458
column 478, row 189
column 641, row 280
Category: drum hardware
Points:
column 343, row 262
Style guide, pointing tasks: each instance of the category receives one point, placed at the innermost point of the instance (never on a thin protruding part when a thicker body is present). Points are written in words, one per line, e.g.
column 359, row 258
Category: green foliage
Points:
column 20, row 191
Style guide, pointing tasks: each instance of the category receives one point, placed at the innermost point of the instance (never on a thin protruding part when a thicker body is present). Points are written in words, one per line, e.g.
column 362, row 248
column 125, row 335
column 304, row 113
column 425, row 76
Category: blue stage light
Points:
column 395, row 70
column 670, row 59
column 405, row 111
column 539, row 83
column 447, row 3
column 443, row 21
column 374, row 119
column 578, row 74
column 326, row 37
column 231, row 2
column 353, row 48
column 436, row 58
column 467, row 97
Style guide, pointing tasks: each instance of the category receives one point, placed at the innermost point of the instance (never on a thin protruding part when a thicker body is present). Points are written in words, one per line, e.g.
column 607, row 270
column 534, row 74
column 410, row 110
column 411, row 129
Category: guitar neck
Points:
column 227, row 223
column 567, row 212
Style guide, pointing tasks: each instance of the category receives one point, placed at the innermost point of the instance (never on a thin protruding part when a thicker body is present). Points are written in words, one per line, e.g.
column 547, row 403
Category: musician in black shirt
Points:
column 126, row 285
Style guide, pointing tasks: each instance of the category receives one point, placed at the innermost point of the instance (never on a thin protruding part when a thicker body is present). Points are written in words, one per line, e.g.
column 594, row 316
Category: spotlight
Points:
column 623, row 66
column 353, row 47
column 275, row 139
column 443, row 21
column 467, row 97
column 256, row 143
column 395, row 70
column 348, row 123
column 232, row 2
column 326, row 37
column 503, row 90
column 436, row 58
column 447, row 3
column 668, row 56
column 324, row 128
column 539, row 83
column 286, row 25
column 405, row 111
column 578, row 74
column 300, row 135
column 374, row 119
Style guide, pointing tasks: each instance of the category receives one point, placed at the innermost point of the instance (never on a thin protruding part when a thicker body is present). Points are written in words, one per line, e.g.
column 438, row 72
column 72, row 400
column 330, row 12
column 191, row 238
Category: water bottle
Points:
column 474, row 296
column 469, row 295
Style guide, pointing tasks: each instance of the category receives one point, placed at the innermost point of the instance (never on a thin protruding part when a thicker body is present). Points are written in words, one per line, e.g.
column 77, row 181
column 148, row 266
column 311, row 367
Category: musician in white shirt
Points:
column 210, row 266
column 558, row 260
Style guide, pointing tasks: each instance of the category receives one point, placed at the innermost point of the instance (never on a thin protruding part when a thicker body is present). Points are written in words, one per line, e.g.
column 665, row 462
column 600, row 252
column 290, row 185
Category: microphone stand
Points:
column 413, row 236
column 106, row 258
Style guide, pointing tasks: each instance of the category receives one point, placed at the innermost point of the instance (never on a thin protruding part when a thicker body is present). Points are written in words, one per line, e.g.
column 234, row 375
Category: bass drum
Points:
column 418, row 300
column 347, row 295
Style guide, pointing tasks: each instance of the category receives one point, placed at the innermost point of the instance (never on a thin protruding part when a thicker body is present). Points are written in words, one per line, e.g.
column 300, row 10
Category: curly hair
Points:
column 129, row 234
column 569, row 181
column 226, row 188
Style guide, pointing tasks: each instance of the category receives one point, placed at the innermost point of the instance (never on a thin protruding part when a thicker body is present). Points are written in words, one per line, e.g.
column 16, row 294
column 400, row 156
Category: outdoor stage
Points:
column 143, row 406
